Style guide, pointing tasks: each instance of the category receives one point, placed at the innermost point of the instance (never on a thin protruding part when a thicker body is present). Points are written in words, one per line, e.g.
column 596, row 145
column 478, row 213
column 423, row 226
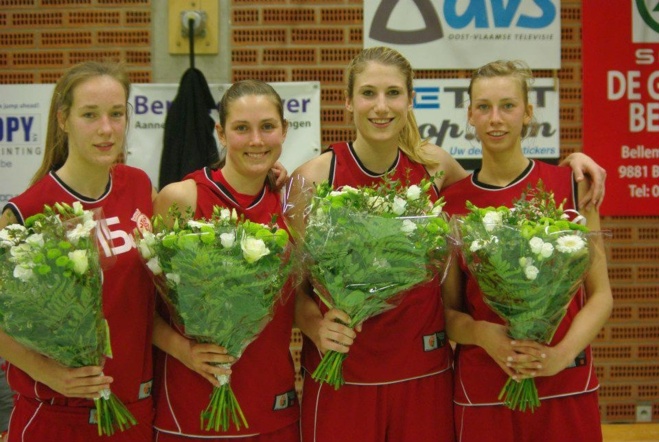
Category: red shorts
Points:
column 290, row 433
column 37, row 421
column 415, row 410
column 569, row 418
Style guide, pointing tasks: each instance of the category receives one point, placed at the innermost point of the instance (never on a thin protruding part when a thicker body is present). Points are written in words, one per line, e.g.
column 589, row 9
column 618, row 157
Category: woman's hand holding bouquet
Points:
column 364, row 247
column 528, row 261
column 51, row 302
column 221, row 279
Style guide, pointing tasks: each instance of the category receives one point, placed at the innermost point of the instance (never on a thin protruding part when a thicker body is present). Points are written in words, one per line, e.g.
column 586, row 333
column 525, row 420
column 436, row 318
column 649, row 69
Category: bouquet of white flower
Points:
column 221, row 279
column 364, row 247
column 528, row 261
column 51, row 295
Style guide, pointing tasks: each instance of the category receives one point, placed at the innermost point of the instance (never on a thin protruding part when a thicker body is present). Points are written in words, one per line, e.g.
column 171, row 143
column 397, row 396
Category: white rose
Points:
column 78, row 210
column 174, row 277
column 227, row 240
column 154, row 265
column 475, row 246
column 437, row 210
column 253, row 249
column 492, row 220
column 23, row 273
column 413, row 192
column 225, row 214
column 399, row 205
column 36, row 239
column 349, row 189
column 145, row 250
column 525, row 261
column 536, row 244
column 547, row 250
column 531, row 272
column 20, row 252
column 408, row 227
column 80, row 261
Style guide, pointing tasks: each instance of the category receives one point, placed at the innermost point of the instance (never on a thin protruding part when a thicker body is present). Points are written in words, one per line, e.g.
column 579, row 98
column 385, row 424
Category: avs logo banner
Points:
column 466, row 34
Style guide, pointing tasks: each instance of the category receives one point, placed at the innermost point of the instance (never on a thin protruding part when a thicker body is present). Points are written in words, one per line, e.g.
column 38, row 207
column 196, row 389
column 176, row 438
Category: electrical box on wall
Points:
column 205, row 15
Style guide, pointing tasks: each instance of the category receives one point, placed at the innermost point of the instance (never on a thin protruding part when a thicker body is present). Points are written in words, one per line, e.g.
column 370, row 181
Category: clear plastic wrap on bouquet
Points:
column 528, row 269
column 221, row 279
column 363, row 248
column 57, row 253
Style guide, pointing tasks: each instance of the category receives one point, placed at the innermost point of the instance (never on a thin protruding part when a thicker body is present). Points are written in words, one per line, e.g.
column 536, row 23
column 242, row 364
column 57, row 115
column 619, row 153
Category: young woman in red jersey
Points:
column 252, row 128
column 86, row 134
column 499, row 110
column 397, row 388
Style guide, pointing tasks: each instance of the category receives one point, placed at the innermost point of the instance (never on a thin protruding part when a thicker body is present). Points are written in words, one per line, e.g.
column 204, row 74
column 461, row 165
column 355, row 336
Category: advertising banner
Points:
column 621, row 102
column 466, row 34
column 24, row 115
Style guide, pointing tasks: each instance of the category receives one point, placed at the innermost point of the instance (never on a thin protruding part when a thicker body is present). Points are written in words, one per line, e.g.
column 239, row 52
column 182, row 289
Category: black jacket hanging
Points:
column 189, row 143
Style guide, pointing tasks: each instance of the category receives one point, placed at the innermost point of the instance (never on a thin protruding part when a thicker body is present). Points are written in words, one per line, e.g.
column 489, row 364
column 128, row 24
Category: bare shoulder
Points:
column 7, row 218
column 451, row 171
column 182, row 193
column 315, row 170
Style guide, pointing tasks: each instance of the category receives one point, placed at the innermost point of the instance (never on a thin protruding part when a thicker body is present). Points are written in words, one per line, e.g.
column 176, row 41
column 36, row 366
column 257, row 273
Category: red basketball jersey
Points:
column 478, row 379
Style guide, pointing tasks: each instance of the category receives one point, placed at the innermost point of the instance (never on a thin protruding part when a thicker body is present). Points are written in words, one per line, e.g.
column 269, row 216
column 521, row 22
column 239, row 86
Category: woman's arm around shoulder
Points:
column 183, row 194
column 451, row 170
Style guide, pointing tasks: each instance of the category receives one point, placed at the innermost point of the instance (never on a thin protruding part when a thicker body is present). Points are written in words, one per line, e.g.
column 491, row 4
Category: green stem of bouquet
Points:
column 520, row 395
column 111, row 413
column 330, row 369
column 222, row 410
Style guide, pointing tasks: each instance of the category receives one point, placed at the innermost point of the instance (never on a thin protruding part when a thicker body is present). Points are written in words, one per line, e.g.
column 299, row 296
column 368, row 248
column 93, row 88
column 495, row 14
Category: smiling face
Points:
column 253, row 134
column 96, row 122
column 379, row 103
column 498, row 112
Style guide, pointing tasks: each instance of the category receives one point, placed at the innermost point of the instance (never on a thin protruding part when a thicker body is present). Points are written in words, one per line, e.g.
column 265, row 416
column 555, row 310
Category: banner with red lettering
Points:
column 621, row 102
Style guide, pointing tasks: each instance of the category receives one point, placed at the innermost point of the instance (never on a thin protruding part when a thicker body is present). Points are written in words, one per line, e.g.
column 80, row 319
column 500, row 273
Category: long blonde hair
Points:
column 409, row 139
column 56, row 149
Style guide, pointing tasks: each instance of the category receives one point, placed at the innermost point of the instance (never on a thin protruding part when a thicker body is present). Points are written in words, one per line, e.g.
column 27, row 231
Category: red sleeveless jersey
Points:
column 128, row 292
column 263, row 379
column 408, row 341
column 478, row 379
